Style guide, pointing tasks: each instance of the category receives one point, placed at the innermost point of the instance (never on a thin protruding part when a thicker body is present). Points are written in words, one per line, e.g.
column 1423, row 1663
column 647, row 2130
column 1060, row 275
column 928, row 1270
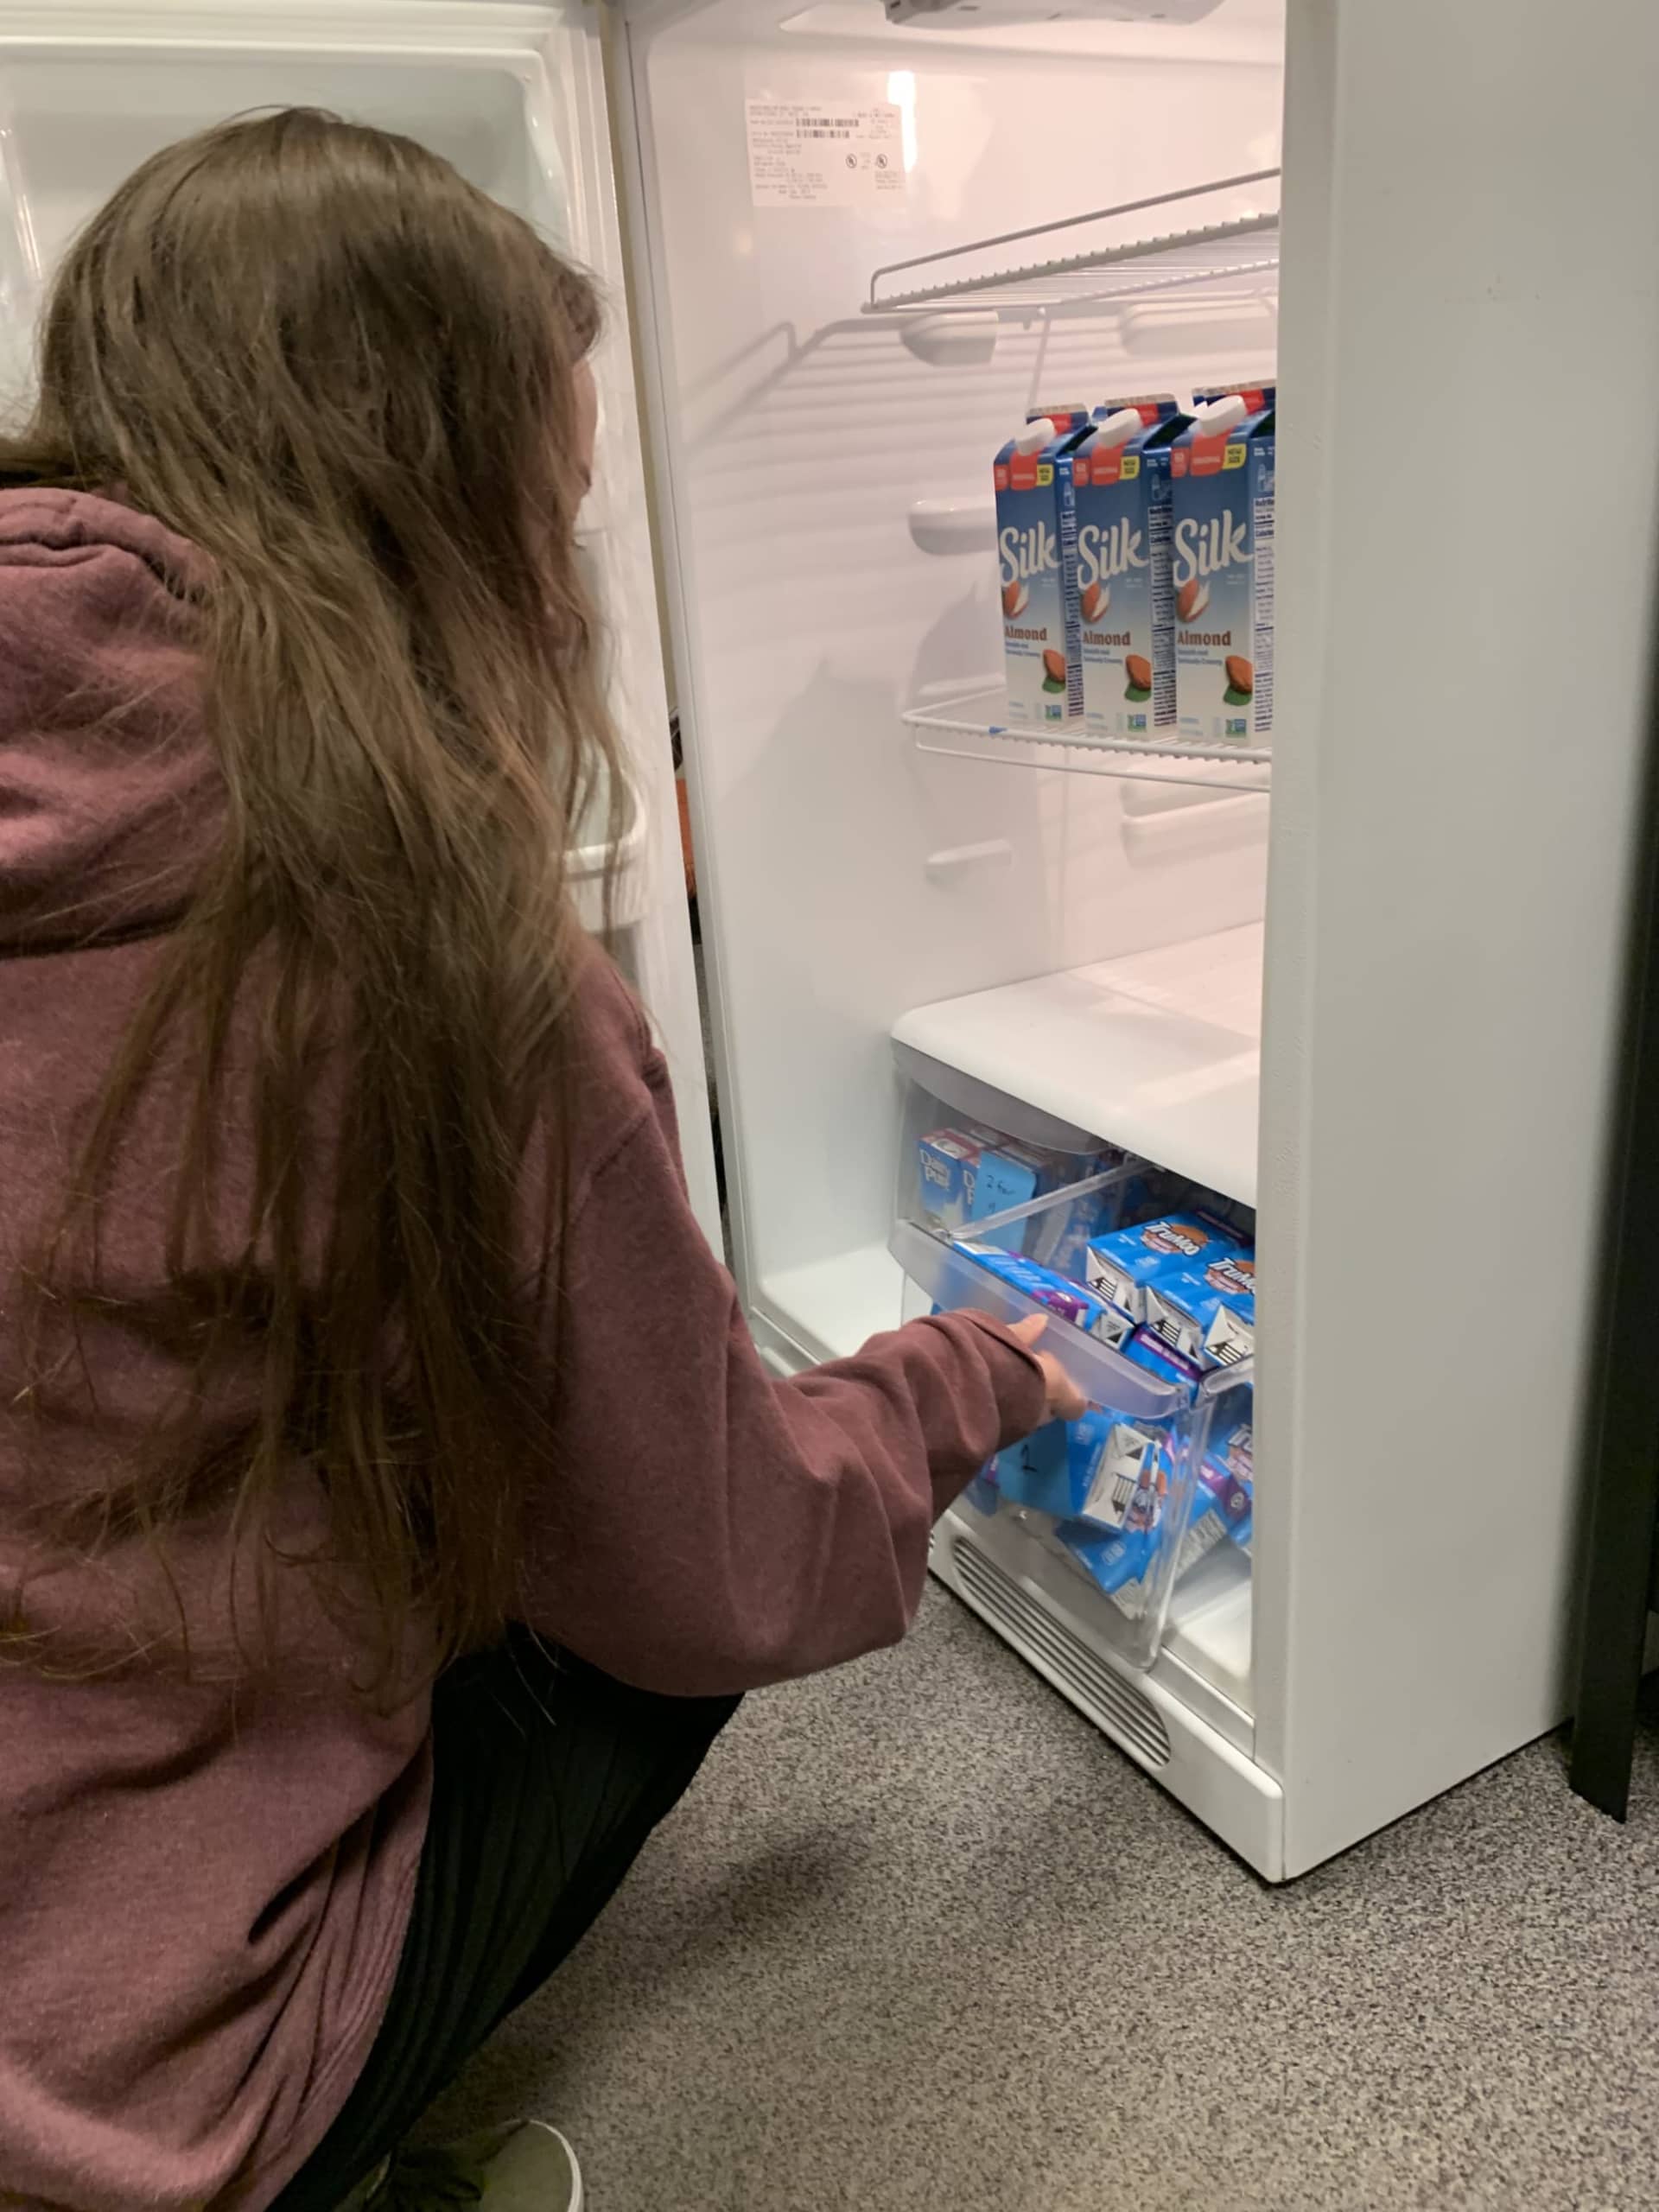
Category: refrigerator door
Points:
column 1467, row 653
column 514, row 97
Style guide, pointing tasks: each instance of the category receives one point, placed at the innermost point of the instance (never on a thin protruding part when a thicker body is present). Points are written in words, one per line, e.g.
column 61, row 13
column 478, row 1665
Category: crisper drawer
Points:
column 1112, row 1496
column 1024, row 1221
column 950, row 1280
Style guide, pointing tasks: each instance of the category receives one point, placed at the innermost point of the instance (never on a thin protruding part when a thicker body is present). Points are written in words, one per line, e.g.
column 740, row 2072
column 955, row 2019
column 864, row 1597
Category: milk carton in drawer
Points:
column 947, row 1166
column 1120, row 1266
column 1036, row 544
column 1207, row 1313
column 1221, row 566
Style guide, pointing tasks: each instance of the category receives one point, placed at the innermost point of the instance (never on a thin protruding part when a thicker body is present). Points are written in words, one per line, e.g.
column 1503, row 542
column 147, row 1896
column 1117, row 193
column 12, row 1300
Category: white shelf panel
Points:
column 831, row 1305
column 1237, row 248
column 971, row 727
column 1158, row 1052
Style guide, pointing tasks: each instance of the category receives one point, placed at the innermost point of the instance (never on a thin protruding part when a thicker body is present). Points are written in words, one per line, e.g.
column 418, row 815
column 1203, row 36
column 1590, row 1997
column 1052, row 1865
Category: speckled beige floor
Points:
column 921, row 1938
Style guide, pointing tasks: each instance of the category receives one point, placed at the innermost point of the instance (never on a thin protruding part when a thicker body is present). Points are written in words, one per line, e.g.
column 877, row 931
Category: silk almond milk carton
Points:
column 1221, row 566
column 1036, row 542
column 1126, row 600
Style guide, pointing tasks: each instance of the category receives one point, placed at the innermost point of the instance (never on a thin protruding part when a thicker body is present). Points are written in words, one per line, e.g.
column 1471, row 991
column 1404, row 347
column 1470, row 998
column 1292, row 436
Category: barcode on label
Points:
column 811, row 133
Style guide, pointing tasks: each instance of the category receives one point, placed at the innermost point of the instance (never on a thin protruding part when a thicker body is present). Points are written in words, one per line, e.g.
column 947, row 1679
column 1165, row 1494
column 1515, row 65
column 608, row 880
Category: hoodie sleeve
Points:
column 704, row 1528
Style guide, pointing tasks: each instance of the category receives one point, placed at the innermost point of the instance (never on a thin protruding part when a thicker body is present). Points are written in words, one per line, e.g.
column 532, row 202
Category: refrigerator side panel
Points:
column 1468, row 527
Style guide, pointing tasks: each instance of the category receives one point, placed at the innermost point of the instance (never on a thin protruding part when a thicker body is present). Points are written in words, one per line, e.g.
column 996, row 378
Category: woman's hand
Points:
column 1065, row 1401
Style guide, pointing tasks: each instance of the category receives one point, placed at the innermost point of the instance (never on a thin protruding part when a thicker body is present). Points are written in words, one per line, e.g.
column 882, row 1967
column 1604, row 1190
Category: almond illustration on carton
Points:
column 1014, row 598
column 1240, row 675
column 1053, row 665
column 1096, row 598
column 1138, row 669
column 1191, row 600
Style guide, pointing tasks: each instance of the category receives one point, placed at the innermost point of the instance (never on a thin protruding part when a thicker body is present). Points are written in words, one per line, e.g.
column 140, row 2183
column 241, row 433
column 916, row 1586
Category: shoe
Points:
column 526, row 2166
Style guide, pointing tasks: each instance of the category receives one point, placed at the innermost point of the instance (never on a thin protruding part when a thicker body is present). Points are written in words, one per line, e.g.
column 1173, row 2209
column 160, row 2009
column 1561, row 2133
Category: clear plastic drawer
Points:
column 1132, row 1497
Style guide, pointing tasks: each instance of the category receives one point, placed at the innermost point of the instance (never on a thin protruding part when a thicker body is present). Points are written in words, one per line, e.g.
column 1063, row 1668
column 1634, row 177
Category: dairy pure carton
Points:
column 947, row 1165
column 1222, row 564
column 1126, row 599
column 1036, row 543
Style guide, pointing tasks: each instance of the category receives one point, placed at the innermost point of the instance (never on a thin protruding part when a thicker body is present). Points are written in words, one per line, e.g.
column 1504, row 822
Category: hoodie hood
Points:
column 108, row 794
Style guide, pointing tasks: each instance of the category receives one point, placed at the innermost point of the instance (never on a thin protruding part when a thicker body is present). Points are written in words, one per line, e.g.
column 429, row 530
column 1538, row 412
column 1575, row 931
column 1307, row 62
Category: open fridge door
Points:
column 872, row 248
column 514, row 96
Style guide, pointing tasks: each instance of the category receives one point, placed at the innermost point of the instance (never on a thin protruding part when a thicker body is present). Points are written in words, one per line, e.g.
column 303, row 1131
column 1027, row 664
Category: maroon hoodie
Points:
column 205, row 1875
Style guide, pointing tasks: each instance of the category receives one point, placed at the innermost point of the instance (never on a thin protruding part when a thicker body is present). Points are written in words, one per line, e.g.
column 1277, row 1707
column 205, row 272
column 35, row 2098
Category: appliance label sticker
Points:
column 824, row 152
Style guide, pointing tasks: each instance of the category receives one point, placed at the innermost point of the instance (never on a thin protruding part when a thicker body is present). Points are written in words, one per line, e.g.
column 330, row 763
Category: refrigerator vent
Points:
column 1111, row 1703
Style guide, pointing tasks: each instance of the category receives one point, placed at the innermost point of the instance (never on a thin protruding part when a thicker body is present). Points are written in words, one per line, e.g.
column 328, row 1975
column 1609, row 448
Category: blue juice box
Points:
column 1142, row 1349
column 1071, row 1300
column 1062, row 1239
column 1126, row 597
column 1011, row 1174
column 1105, row 1470
column 1228, row 1476
column 1114, row 1562
column 1118, row 1471
column 965, row 1174
column 1121, row 1562
column 982, row 1493
column 1206, row 1529
column 1037, row 1473
column 1208, row 1313
column 1036, row 542
column 1118, row 1267
column 1222, row 567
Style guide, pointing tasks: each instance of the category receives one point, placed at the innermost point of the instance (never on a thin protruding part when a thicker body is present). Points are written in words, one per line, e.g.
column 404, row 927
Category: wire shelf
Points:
column 967, row 728
column 1238, row 251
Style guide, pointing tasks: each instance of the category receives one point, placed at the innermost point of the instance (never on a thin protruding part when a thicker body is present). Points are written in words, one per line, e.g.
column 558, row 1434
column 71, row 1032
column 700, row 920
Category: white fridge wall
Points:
column 846, row 876
column 514, row 95
column 1467, row 622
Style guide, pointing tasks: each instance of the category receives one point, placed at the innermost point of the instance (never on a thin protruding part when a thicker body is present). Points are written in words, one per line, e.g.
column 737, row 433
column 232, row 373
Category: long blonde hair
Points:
column 346, row 375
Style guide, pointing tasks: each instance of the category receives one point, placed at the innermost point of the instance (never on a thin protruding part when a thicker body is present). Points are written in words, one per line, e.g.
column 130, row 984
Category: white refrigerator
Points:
column 1369, row 985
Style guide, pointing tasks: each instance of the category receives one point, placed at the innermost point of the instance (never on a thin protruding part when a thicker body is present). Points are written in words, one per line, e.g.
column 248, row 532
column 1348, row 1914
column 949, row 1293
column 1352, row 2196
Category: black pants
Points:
column 548, row 1778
